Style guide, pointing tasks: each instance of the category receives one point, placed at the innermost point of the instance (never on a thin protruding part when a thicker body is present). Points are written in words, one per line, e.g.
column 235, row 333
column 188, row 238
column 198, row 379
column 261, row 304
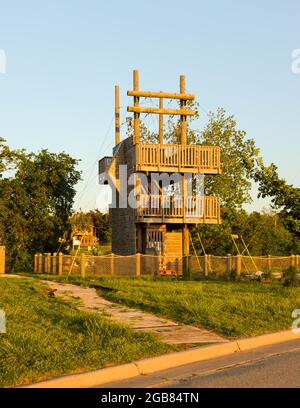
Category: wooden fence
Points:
column 140, row 264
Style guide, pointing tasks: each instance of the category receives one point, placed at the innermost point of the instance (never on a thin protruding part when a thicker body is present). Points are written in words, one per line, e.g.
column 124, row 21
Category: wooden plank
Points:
column 167, row 95
column 141, row 109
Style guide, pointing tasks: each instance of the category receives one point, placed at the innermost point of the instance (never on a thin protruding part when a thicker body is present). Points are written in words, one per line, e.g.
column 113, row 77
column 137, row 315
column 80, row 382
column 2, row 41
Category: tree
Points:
column 101, row 224
column 238, row 154
column 36, row 202
column 238, row 157
column 264, row 234
column 83, row 221
column 284, row 197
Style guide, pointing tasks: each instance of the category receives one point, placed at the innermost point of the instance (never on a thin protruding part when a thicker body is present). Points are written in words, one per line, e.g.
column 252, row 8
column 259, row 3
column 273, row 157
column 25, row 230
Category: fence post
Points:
column 82, row 265
column 269, row 263
column 293, row 263
column 206, row 265
column 238, row 264
column 229, row 264
column 2, row 259
column 48, row 260
column 54, row 264
column 137, row 264
column 297, row 262
column 45, row 263
column 60, row 263
column 112, row 263
column 40, row 263
column 35, row 263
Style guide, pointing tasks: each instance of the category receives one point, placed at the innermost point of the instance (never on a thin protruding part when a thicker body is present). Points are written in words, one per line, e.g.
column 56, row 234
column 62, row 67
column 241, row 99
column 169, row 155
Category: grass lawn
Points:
column 47, row 337
column 233, row 309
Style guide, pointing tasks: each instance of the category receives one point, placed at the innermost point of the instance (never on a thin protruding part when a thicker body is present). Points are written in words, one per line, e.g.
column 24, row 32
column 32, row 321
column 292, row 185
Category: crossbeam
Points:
column 167, row 95
column 140, row 109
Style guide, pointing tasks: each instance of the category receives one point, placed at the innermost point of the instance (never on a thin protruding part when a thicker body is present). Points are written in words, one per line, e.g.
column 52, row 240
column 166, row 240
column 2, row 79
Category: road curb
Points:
column 155, row 364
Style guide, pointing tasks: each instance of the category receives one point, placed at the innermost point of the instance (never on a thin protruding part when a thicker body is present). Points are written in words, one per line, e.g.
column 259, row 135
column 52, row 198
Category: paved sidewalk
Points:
column 170, row 332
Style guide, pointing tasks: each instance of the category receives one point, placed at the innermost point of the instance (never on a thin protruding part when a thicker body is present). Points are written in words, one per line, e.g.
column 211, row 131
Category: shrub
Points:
column 290, row 277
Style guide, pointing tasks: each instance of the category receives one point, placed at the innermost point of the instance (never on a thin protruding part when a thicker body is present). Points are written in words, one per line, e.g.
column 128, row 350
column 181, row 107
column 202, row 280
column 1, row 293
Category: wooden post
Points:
column 2, row 259
column 238, row 264
column 35, row 263
column 54, row 264
column 297, row 262
column 138, row 264
column 161, row 122
column 82, row 265
column 183, row 117
column 117, row 114
column 269, row 263
column 48, row 256
column 293, row 263
column 112, row 264
column 136, row 104
column 40, row 263
column 185, row 250
column 206, row 265
column 60, row 263
column 229, row 264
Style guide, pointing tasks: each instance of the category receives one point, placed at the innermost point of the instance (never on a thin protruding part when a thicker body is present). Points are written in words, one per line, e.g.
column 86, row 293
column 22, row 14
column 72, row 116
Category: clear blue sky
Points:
column 64, row 57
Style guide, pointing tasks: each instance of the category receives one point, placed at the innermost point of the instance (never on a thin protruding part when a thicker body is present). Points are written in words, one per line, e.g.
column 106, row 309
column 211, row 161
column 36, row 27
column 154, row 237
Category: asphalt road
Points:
column 274, row 366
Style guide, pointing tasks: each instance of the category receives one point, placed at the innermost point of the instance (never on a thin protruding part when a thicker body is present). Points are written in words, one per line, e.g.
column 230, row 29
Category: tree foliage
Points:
column 284, row 197
column 37, row 193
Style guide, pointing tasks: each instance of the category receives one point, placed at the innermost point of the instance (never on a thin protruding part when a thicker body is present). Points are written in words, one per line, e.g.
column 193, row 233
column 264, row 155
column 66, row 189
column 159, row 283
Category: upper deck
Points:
column 177, row 158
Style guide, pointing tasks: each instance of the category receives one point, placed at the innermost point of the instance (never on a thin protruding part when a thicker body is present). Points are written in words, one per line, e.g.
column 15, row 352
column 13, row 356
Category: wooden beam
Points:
column 183, row 116
column 167, row 95
column 117, row 114
column 140, row 109
column 161, row 122
column 137, row 130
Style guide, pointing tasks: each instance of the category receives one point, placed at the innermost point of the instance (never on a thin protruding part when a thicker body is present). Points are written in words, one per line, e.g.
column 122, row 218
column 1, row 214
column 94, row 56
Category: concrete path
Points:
column 170, row 332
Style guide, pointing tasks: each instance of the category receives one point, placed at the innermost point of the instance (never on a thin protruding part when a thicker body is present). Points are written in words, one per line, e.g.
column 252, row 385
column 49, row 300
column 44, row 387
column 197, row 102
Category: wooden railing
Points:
column 205, row 209
column 172, row 157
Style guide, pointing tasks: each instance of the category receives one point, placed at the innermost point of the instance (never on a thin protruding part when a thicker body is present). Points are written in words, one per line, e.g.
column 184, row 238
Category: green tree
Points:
column 284, row 197
column 36, row 202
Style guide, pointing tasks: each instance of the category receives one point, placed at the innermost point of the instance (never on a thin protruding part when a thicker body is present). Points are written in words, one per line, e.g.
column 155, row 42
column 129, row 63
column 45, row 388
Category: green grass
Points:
column 49, row 337
column 233, row 309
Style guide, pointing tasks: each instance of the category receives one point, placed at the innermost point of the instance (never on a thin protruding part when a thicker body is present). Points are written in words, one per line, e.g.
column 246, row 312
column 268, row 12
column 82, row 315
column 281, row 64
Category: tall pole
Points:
column 136, row 103
column 161, row 122
column 117, row 114
column 182, row 106
column 185, row 231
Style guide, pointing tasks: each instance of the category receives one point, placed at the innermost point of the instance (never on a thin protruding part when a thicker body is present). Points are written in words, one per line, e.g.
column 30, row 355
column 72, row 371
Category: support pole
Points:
column 161, row 122
column 117, row 114
column 183, row 117
column 136, row 104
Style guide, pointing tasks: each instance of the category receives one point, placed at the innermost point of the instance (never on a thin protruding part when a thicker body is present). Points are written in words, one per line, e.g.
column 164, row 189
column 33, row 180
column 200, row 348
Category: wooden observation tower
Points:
column 159, row 225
